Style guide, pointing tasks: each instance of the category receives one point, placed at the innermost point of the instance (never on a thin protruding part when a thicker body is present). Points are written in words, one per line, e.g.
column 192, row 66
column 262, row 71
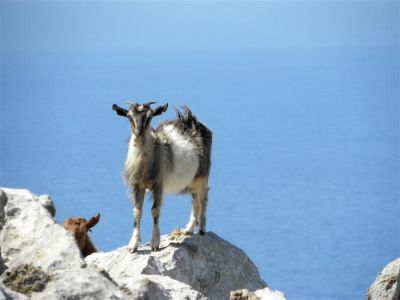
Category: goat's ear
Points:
column 68, row 222
column 159, row 110
column 93, row 221
column 119, row 110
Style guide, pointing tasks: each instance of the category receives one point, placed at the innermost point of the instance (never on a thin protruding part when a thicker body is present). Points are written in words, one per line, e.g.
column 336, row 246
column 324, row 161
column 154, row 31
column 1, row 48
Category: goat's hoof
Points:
column 201, row 232
column 132, row 249
column 133, row 244
column 155, row 249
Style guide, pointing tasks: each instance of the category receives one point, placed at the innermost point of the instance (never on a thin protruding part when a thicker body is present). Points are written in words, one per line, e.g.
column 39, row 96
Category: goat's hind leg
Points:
column 203, row 200
column 155, row 212
column 194, row 216
column 138, row 198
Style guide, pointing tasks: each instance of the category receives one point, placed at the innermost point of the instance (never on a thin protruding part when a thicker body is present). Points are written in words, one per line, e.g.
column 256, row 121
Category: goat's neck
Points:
column 140, row 157
column 88, row 248
column 146, row 146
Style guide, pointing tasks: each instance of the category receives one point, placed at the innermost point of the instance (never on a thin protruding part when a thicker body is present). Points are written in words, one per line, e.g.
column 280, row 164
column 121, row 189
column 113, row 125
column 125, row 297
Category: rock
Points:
column 48, row 204
column 158, row 287
column 42, row 259
column 26, row 279
column 2, row 265
column 385, row 286
column 8, row 294
column 186, row 259
column 268, row 294
column 243, row 294
column 39, row 259
column 80, row 284
column 261, row 294
column 30, row 236
column 3, row 202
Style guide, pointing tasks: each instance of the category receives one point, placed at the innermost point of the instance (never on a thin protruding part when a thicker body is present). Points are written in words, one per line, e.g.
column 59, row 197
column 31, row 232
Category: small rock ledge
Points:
column 40, row 260
column 386, row 285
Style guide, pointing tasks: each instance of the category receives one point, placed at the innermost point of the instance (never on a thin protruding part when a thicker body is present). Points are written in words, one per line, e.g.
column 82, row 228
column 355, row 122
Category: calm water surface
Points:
column 305, row 175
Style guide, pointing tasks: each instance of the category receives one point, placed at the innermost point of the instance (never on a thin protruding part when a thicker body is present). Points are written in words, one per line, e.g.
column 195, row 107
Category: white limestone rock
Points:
column 208, row 264
column 386, row 285
column 83, row 284
column 261, row 294
column 30, row 236
column 47, row 203
column 158, row 287
column 268, row 294
column 43, row 261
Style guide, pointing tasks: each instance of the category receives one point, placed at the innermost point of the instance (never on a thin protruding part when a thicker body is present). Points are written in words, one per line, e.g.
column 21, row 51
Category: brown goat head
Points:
column 80, row 227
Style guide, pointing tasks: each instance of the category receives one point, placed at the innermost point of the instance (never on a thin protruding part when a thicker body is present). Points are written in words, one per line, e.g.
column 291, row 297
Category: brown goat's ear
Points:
column 93, row 221
column 159, row 110
column 68, row 223
column 119, row 110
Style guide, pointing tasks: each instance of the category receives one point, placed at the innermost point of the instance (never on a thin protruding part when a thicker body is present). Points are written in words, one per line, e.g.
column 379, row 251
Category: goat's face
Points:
column 79, row 227
column 140, row 115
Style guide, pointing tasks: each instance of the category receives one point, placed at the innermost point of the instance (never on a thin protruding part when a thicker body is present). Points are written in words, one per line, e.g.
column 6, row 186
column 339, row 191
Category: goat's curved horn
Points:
column 93, row 221
column 131, row 103
column 149, row 103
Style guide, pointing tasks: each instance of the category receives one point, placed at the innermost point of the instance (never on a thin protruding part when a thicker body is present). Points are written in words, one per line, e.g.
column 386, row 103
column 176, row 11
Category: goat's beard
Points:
column 139, row 140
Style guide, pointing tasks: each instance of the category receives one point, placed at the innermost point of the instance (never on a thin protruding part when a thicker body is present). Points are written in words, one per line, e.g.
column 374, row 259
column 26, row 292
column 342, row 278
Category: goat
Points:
column 174, row 158
column 80, row 227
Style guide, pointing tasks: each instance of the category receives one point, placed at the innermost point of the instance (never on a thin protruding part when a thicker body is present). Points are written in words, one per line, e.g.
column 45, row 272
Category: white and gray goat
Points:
column 173, row 158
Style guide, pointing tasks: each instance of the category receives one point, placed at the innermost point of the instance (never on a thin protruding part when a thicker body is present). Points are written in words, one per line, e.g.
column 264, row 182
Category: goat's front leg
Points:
column 138, row 197
column 155, row 212
column 193, row 220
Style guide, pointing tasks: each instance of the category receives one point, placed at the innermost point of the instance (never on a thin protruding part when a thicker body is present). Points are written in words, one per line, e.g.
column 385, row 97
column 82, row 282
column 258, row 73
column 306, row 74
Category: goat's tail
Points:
column 186, row 120
column 188, row 123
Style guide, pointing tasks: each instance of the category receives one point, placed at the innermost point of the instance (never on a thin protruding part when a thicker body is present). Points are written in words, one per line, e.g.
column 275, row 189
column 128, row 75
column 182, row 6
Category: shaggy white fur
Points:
column 186, row 161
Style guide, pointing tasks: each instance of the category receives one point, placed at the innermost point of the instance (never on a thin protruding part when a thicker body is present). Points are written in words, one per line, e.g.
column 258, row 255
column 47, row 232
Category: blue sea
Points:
column 302, row 98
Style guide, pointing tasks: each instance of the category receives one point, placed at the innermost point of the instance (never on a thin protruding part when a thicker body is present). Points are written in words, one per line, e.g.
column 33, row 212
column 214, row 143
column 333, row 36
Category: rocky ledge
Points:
column 40, row 260
column 386, row 285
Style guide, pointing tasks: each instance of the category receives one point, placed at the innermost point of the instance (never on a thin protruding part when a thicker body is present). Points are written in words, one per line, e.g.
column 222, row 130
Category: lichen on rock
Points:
column 26, row 279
